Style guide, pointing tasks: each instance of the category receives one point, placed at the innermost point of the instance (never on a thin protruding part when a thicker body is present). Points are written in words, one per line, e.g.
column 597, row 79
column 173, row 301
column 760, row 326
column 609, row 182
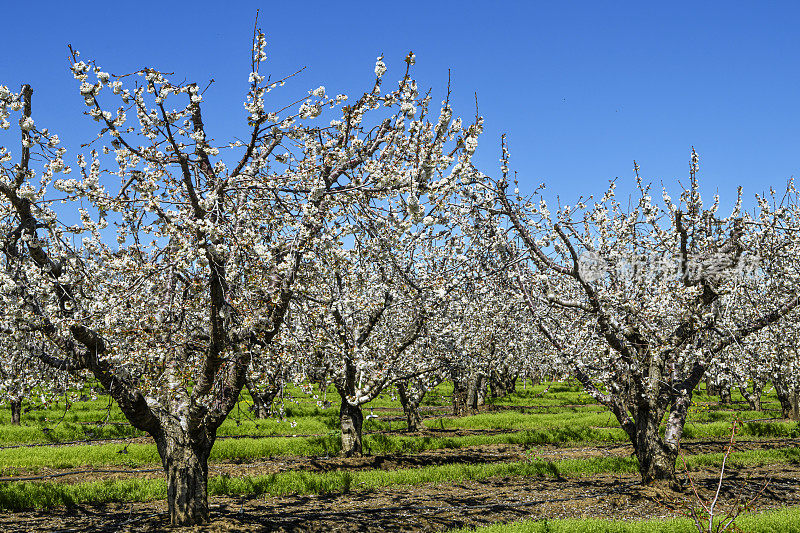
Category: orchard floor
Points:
column 490, row 453
column 439, row 506
column 432, row 507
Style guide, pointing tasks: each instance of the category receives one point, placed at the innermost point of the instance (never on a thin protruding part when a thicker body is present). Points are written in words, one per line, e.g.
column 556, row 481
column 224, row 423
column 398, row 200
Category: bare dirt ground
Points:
column 426, row 507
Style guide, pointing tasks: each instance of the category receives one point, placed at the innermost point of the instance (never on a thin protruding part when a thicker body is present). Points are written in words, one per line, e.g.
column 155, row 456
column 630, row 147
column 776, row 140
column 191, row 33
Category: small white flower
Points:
column 26, row 123
column 87, row 88
column 380, row 67
column 27, row 192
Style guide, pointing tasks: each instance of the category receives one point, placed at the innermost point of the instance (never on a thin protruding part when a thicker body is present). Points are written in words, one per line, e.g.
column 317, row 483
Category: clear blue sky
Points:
column 581, row 88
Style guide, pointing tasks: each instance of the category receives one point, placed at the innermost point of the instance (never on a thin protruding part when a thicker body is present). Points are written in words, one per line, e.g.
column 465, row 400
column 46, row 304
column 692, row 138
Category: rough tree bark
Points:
column 794, row 400
column 476, row 391
column 351, row 420
column 640, row 416
column 410, row 403
column 16, row 411
column 502, row 383
column 184, row 457
column 753, row 398
column 783, row 397
column 787, row 397
column 725, row 394
column 459, row 379
column 262, row 401
column 711, row 388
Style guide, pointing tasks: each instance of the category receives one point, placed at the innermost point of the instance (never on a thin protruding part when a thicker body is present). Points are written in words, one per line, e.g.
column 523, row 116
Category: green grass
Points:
column 512, row 420
column 748, row 429
column 136, row 455
column 63, row 432
column 562, row 404
column 560, row 416
column 746, row 458
column 25, row 495
column 411, row 444
column 253, row 449
column 557, row 395
column 781, row 521
column 33, row 459
column 303, row 414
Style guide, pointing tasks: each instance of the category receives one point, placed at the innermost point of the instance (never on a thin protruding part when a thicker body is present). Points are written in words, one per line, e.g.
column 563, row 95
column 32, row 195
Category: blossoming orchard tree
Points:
column 359, row 328
column 785, row 374
column 392, row 260
column 270, row 370
column 508, row 345
column 25, row 378
column 368, row 316
column 639, row 301
column 490, row 340
column 176, row 255
column 412, row 390
column 771, row 354
column 785, row 369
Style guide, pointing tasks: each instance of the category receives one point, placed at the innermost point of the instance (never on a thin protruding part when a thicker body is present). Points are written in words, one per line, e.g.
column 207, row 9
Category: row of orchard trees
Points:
column 177, row 260
column 354, row 240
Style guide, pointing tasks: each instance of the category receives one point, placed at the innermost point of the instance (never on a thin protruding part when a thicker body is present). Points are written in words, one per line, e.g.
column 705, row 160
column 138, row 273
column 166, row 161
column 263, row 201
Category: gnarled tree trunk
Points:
column 410, row 403
column 753, row 398
column 262, row 401
column 788, row 399
column 711, row 387
column 460, row 391
column 351, row 419
column 640, row 415
column 502, row 383
column 476, row 391
column 16, row 411
column 185, row 463
column 656, row 457
column 725, row 394
column 794, row 400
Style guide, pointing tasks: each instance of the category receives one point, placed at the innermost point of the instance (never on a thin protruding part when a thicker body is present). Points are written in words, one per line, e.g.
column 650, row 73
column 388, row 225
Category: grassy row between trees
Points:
column 780, row 521
column 32, row 460
column 42, row 495
column 563, row 408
